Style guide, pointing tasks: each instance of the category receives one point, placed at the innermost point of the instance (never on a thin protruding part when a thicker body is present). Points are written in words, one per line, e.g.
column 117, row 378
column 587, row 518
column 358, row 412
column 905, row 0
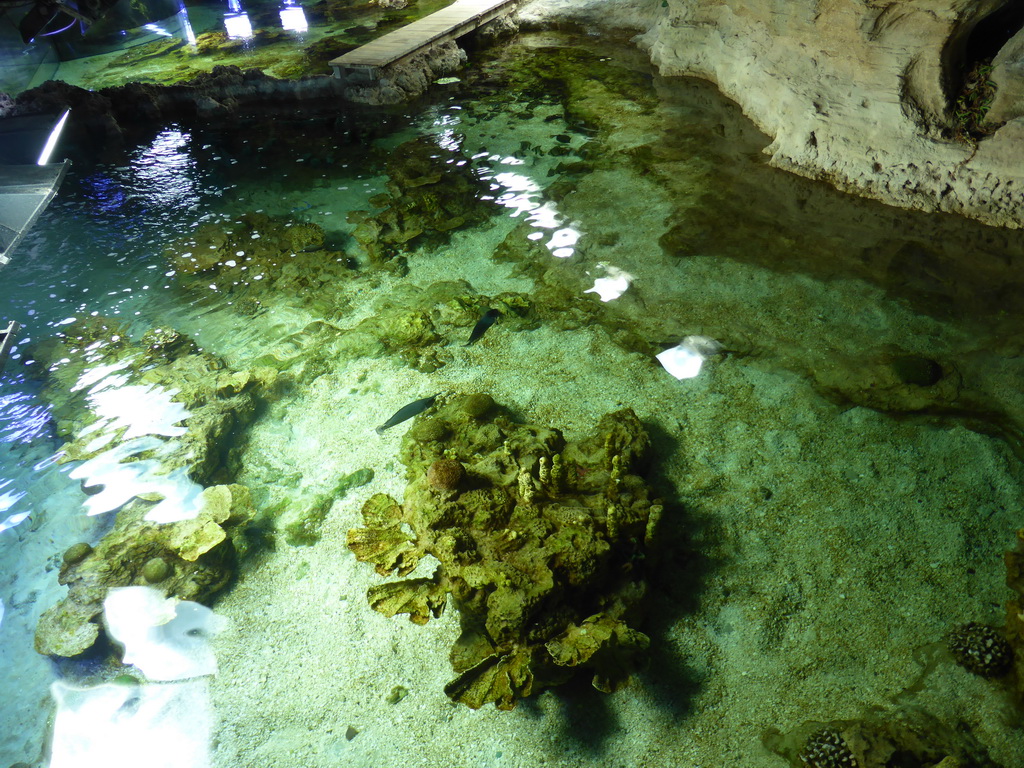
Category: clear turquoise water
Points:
column 831, row 521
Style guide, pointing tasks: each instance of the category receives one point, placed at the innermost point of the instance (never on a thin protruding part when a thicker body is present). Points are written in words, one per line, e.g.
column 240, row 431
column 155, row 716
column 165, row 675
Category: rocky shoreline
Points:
column 868, row 97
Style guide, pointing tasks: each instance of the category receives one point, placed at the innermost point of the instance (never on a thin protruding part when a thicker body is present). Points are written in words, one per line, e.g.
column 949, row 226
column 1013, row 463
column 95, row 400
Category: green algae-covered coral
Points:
column 256, row 242
column 191, row 560
column 150, row 421
column 431, row 191
column 107, row 389
column 541, row 545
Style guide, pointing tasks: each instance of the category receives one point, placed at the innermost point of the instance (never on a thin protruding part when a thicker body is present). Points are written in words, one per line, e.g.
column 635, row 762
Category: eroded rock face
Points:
column 541, row 545
column 861, row 93
column 405, row 79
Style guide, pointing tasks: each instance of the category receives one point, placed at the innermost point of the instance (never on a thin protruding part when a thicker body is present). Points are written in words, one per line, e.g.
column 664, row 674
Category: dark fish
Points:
column 407, row 412
column 485, row 322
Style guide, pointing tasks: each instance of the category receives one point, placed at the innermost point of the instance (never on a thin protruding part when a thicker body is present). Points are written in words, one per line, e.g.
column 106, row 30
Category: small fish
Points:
column 407, row 412
column 485, row 322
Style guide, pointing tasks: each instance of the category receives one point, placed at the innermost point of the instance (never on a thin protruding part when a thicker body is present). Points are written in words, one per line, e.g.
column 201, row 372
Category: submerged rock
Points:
column 542, row 546
column 883, row 737
column 190, row 560
column 255, row 242
column 151, row 422
column 431, row 191
column 107, row 390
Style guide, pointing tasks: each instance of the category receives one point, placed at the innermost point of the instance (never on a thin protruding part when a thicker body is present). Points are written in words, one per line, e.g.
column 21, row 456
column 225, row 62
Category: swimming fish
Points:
column 407, row 412
column 485, row 322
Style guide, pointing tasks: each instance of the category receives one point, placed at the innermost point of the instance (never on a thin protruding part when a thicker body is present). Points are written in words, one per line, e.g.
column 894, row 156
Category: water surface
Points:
column 842, row 476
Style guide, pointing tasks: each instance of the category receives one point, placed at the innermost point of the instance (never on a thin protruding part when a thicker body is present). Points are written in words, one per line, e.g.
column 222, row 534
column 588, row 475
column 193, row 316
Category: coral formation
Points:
column 445, row 474
column 981, row 650
column 191, row 560
column 76, row 553
column 157, row 569
column 541, row 547
column 258, row 256
column 431, row 191
column 155, row 420
column 165, row 367
column 827, row 749
column 255, row 242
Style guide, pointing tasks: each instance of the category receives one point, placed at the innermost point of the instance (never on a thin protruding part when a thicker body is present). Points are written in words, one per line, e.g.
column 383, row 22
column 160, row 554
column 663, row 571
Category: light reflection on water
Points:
column 100, row 252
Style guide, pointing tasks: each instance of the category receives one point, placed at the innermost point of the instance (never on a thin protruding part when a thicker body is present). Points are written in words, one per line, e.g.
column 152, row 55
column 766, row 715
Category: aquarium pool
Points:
column 821, row 480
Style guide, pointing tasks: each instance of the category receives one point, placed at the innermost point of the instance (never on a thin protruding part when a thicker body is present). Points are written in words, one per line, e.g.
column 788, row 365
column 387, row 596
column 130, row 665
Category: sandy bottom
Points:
column 835, row 547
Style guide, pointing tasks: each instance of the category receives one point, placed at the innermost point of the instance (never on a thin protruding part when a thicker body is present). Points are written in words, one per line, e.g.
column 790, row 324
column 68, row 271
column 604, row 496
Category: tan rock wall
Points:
column 855, row 92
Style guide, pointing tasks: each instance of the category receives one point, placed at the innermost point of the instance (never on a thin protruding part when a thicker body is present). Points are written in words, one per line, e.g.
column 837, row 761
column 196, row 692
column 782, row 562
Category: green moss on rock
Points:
column 304, row 531
column 540, row 548
column 194, row 560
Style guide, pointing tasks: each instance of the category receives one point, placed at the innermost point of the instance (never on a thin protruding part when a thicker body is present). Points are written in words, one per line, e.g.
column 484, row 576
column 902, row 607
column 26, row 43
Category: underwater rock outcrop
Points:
column 891, row 379
column 431, row 190
column 189, row 560
column 151, row 422
column 407, row 323
column 881, row 738
column 105, row 390
column 254, row 243
column 258, row 260
column 541, row 545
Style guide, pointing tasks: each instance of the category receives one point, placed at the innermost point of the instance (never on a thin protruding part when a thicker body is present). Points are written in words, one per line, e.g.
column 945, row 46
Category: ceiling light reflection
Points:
column 293, row 18
column 449, row 140
column 164, row 171
column 237, row 26
column 186, row 25
column 614, row 285
column 166, row 638
column 126, row 726
column 139, row 410
column 135, row 420
column 685, row 360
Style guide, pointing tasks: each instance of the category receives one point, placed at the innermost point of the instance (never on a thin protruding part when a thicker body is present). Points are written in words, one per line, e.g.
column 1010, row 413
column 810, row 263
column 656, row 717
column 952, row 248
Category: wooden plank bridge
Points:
column 366, row 62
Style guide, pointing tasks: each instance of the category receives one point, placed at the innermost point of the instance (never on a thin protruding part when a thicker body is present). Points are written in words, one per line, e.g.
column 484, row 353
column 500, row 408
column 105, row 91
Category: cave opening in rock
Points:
column 992, row 33
column 971, row 90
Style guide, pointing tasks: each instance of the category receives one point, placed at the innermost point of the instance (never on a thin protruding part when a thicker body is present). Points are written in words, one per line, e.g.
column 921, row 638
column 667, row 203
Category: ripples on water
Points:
column 99, row 252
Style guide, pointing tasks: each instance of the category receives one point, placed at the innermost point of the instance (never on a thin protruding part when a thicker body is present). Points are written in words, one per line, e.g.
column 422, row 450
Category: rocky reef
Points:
column 104, row 388
column 151, row 422
column 254, row 243
column 431, row 190
column 542, row 544
column 189, row 560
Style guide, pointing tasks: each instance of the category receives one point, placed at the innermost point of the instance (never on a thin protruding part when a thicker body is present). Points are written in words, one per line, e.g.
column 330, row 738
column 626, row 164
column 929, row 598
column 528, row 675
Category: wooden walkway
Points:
column 462, row 16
